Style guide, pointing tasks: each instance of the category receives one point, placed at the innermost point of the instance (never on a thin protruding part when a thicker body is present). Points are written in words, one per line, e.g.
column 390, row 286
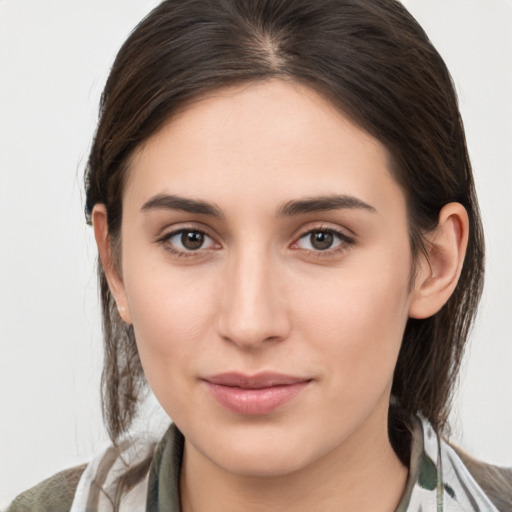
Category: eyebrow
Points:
column 323, row 203
column 174, row 202
column 289, row 209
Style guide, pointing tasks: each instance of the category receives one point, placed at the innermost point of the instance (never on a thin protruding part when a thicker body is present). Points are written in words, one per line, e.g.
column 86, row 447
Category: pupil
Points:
column 192, row 240
column 321, row 240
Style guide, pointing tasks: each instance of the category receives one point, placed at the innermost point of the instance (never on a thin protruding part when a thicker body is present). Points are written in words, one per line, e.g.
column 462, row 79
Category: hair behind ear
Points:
column 122, row 379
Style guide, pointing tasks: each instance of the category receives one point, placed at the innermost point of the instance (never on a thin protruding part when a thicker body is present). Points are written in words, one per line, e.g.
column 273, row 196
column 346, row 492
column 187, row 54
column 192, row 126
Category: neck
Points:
column 362, row 474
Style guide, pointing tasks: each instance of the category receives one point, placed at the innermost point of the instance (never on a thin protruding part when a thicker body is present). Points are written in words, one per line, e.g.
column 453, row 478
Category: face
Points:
column 265, row 269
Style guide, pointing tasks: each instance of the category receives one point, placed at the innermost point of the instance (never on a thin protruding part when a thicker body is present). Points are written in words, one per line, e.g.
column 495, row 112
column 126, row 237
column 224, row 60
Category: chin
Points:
column 263, row 463
column 263, row 451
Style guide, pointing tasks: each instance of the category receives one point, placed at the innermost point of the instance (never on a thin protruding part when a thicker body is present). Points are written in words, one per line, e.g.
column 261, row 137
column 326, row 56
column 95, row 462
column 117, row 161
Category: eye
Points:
column 188, row 240
column 322, row 240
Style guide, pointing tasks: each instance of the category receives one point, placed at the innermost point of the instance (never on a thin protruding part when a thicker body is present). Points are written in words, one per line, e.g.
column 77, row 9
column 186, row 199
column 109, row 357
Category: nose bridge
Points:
column 252, row 308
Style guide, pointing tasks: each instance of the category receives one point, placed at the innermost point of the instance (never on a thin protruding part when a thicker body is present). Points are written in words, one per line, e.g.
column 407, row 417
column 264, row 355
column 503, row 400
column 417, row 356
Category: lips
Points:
column 254, row 395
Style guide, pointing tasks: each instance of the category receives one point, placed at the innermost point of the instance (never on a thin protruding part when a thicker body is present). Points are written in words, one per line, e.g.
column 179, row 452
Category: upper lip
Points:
column 258, row 381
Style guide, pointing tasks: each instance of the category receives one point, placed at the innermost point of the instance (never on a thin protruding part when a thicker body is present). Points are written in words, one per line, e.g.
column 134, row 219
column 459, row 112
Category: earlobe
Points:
column 439, row 270
column 103, row 241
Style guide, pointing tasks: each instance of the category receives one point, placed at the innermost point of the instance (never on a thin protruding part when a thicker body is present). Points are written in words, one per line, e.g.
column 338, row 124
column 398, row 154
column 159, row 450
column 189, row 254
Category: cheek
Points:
column 172, row 317
column 356, row 324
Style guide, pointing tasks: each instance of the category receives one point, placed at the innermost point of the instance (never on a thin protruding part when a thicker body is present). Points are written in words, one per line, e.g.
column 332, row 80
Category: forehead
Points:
column 250, row 139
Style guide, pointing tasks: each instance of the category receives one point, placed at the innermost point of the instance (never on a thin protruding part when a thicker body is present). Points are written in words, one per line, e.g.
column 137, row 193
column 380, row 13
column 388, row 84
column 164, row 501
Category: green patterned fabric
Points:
column 54, row 494
column 164, row 474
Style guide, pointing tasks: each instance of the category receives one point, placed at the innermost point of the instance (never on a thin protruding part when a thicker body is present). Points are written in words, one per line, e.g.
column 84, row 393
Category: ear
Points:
column 114, row 279
column 440, row 269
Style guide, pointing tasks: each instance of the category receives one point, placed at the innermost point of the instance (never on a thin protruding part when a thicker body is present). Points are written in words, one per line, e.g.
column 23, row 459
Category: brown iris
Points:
column 192, row 240
column 321, row 240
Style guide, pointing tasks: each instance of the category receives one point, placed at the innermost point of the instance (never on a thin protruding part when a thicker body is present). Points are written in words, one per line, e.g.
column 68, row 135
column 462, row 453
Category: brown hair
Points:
column 372, row 60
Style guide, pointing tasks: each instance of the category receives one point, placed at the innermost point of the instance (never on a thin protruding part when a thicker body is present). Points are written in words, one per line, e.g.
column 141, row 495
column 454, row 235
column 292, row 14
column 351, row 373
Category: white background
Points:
column 54, row 58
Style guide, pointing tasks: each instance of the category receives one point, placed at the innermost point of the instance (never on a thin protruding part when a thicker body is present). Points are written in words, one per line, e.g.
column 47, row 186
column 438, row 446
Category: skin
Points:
column 259, row 295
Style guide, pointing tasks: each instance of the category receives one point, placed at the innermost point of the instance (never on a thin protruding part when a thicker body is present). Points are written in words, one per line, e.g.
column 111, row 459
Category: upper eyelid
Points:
column 326, row 230
column 326, row 223
column 345, row 233
column 171, row 231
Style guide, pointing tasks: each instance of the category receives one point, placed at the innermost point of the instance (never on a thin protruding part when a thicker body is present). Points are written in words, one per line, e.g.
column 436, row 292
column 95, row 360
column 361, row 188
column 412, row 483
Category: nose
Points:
column 253, row 301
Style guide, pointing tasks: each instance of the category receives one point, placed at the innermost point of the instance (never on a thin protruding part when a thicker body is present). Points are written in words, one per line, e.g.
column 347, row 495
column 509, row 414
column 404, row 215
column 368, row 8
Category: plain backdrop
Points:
column 54, row 58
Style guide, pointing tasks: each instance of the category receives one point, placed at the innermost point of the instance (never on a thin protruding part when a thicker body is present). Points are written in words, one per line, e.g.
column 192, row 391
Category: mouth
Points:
column 257, row 394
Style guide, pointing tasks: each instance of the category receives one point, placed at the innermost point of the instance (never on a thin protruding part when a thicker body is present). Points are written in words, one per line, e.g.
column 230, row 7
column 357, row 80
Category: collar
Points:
column 438, row 480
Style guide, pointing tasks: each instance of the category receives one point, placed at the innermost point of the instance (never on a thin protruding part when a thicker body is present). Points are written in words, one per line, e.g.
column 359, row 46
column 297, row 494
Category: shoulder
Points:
column 115, row 474
column 116, row 477
column 442, row 473
column 55, row 494
column 495, row 481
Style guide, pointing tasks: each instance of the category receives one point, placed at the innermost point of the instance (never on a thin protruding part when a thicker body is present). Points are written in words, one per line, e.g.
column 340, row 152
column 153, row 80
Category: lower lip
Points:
column 255, row 401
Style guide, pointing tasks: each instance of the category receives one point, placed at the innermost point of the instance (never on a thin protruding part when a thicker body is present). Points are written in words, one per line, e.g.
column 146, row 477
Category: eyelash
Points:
column 344, row 242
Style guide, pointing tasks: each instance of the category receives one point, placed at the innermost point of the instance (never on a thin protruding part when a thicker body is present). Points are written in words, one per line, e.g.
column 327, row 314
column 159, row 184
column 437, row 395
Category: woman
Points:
column 291, row 255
